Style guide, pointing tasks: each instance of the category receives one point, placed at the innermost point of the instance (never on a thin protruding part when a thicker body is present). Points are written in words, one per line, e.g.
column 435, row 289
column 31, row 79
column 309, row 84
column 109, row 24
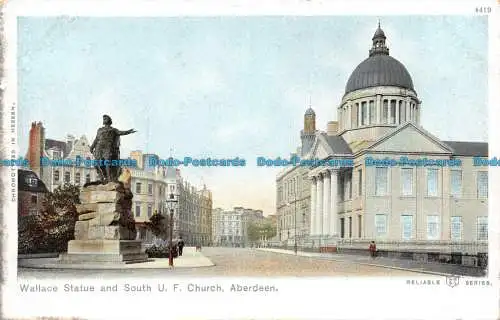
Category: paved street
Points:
column 235, row 262
column 425, row 267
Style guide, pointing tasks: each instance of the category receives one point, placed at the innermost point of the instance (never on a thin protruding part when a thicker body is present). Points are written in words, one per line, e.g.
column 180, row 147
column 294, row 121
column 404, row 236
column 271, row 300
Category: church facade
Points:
column 404, row 185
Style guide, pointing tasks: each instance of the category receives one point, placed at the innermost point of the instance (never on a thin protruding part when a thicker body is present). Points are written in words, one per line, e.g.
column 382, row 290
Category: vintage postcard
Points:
column 225, row 161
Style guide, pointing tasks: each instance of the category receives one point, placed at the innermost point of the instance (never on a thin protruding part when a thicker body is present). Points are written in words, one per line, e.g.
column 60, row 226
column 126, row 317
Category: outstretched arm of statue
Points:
column 124, row 133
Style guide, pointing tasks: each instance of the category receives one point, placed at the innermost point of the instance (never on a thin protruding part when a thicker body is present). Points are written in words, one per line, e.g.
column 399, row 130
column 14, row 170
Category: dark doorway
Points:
column 350, row 227
column 342, row 228
column 360, row 220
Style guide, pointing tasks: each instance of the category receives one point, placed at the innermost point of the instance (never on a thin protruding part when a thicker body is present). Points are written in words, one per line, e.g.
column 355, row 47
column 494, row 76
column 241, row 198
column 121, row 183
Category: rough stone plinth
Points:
column 98, row 196
column 104, row 219
column 99, row 207
column 105, row 213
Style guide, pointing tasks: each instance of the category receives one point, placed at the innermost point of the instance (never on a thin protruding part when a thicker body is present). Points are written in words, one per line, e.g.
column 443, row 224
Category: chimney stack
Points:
column 332, row 128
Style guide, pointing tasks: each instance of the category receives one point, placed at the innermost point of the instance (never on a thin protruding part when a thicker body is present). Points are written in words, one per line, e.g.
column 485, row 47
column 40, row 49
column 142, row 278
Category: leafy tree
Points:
column 159, row 225
column 269, row 230
column 253, row 232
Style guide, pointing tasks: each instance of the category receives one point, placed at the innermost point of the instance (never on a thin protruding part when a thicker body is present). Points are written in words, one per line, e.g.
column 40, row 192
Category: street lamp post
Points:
column 295, row 224
column 171, row 204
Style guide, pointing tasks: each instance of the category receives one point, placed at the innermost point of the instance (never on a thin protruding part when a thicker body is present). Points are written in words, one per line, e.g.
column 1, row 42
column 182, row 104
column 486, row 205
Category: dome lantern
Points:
column 378, row 39
column 379, row 69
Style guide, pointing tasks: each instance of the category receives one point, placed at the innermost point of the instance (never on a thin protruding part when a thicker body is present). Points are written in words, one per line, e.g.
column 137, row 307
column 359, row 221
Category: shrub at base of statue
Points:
column 161, row 251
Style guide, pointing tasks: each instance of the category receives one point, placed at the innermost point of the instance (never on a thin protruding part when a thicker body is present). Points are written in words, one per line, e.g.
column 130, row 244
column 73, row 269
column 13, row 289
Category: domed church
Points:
column 404, row 188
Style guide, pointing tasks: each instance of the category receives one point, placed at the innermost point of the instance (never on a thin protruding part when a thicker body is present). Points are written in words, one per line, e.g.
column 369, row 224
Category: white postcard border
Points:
column 318, row 297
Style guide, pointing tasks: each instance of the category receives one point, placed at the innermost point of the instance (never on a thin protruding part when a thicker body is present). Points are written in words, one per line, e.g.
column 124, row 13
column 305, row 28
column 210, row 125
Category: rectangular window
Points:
column 380, row 224
column 381, row 181
column 406, row 227
column 137, row 209
column 56, row 175
column 482, row 184
column 373, row 112
column 150, row 189
column 406, row 181
column 350, row 227
column 482, row 228
column 77, row 178
column 364, row 114
column 456, row 228
column 138, row 187
column 67, row 177
column 358, row 108
column 385, row 109
column 433, row 228
column 34, row 199
column 150, row 210
column 349, row 180
column 360, row 182
column 432, row 182
column 393, row 111
column 456, row 183
column 87, row 178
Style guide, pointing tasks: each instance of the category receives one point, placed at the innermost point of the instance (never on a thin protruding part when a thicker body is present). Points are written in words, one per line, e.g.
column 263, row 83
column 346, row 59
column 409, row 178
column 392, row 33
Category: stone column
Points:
column 349, row 116
column 408, row 110
column 333, row 203
column 319, row 205
column 378, row 106
column 313, row 206
column 417, row 114
column 326, row 203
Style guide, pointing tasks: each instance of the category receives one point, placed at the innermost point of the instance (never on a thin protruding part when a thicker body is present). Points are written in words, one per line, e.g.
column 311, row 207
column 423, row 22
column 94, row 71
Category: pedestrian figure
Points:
column 180, row 244
column 373, row 249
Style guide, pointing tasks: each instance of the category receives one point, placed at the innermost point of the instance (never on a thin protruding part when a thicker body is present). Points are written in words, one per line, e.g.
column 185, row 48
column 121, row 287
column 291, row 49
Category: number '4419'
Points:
column 483, row 10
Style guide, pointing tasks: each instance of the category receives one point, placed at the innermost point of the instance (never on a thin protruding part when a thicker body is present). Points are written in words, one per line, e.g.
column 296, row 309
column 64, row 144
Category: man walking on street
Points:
column 180, row 244
column 373, row 249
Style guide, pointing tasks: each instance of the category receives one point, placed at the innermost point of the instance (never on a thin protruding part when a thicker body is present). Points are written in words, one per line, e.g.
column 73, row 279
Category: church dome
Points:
column 379, row 69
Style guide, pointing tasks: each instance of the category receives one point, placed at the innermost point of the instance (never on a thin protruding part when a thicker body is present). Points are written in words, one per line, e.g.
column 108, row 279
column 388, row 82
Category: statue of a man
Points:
column 106, row 146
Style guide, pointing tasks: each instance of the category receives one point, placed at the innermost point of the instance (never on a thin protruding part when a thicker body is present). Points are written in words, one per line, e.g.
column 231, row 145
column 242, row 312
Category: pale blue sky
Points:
column 237, row 86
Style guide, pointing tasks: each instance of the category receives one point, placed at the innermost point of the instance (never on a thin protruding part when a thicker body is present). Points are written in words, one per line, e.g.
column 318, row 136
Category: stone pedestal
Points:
column 105, row 230
column 103, row 251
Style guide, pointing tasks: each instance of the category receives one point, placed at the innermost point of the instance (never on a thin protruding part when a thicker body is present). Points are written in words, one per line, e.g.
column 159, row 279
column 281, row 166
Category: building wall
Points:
column 419, row 205
column 293, row 188
column 29, row 203
column 229, row 228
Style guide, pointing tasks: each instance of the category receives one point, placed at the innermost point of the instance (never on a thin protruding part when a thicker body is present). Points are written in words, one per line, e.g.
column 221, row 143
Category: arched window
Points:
column 77, row 178
column 67, row 177
column 56, row 175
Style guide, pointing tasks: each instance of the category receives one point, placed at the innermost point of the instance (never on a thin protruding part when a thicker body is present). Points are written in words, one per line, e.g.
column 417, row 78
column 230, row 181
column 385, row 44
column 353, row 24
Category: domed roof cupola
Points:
column 379, row 69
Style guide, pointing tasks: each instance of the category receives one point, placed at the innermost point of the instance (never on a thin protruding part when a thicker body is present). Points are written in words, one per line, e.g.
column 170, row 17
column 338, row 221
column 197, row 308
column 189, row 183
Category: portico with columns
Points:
column 324, row 200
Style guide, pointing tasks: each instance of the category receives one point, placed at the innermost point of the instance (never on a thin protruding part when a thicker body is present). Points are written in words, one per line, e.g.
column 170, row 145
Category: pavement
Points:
column 231, row 262
column 396, row 264
column 190, row 259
